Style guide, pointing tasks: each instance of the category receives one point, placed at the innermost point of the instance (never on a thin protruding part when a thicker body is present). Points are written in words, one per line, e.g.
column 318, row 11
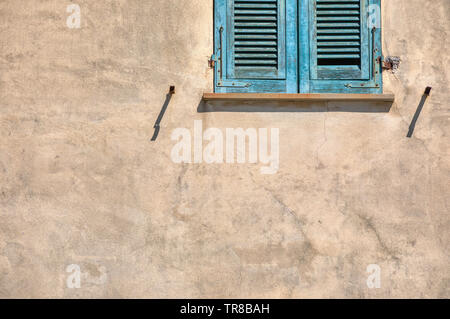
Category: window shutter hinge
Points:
column 369, row 84
column 212, row 61
column 372, row 84
column 234, row 84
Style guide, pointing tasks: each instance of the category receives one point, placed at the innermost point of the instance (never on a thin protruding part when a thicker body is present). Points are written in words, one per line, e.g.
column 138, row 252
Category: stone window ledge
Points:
column 286, row 97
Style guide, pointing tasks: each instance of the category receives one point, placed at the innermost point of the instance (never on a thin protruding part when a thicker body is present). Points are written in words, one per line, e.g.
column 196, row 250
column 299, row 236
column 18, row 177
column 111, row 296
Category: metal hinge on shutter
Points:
column 218, row 61
column 376, row 67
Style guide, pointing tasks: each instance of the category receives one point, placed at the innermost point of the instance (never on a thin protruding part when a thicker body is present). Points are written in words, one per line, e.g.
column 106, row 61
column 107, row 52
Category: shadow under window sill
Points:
column 285, row 102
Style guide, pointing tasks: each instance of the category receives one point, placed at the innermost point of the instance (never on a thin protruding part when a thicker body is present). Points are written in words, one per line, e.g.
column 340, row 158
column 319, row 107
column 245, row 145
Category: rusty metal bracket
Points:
column 387, row 65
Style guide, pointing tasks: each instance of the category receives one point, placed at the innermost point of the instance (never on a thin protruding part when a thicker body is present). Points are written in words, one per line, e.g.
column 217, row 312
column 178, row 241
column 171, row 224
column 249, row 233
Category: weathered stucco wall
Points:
column 80, row 182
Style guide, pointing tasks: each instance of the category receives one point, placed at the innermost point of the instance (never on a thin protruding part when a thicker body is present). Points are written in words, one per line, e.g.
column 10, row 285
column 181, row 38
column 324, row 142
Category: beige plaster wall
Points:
column 80, row 182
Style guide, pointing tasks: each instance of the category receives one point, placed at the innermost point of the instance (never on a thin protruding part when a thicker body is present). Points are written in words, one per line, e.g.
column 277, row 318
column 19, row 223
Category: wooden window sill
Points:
column 287, row 97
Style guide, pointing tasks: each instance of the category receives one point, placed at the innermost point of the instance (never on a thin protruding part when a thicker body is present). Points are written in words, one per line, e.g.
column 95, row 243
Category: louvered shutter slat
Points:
column 338, row 25
column 254, row 35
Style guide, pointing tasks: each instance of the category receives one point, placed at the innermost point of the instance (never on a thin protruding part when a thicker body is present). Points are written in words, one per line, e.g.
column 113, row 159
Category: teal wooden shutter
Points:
column 256, row 46
column 340, row 52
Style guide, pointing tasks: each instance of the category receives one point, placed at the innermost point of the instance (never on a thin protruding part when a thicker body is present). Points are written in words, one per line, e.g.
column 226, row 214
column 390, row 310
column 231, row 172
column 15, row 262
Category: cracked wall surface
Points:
column 81, row 183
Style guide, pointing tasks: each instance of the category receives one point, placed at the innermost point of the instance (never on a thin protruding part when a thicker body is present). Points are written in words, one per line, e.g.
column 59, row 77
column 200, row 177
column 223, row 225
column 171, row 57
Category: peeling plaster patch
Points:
column 5, row 266
column 286, row 256
column 393, row 63
column 14, row 252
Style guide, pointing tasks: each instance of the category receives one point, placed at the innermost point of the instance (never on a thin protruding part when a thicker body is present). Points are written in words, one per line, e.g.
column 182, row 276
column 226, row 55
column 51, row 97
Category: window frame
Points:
column 299, row 54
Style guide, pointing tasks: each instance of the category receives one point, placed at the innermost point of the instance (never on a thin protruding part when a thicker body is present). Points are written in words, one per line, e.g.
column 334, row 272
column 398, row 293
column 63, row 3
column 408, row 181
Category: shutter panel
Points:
column 342, row 51
column 254, row 39
column 338, row 32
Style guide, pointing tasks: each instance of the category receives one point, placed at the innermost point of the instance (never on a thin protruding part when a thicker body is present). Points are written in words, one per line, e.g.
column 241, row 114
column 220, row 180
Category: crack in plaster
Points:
column 369, row 225
column 325, row 140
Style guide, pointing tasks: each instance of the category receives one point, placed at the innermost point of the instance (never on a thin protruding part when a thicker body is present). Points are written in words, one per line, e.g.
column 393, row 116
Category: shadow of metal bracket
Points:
column 425, row 95
column 161, row 114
